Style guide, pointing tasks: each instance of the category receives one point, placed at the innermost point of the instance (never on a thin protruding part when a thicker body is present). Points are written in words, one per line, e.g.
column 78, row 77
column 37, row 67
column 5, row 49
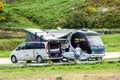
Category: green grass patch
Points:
column 50, row 72
column 53, row 13
column 111, row 42
column 9, row 44
column 35, row 14
column 4, row 53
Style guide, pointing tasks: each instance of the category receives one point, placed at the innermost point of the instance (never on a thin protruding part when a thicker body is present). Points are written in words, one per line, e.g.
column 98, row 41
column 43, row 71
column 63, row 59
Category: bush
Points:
column 109, row 20
column 76, row 20
column 1, row 7
column 90, row 9
column 9, row 44
column 2, row 18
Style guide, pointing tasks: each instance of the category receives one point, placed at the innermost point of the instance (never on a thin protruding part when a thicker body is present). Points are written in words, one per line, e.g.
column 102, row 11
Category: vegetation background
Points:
column 48, row 14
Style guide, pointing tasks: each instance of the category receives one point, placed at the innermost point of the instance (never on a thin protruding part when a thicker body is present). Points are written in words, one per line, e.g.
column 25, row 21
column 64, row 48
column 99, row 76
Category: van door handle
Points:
column 36, row 52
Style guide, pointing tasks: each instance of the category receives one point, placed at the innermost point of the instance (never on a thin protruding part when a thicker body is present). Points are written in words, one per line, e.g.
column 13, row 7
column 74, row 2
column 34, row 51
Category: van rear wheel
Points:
column 98, row 59
column 14, row 59
column 39, row 59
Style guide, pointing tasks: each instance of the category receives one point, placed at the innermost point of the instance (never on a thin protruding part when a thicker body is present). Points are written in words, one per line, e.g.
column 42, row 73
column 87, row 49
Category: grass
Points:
column 4, row 53
column 8, row 42
column 111, row 42
column 68, row 72
column 53, row 13
column 7, row 45
column 36, row 13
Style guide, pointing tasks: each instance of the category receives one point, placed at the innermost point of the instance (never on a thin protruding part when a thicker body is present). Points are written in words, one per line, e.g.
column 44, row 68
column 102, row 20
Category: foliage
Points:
column 61, row 13
column 2, row 18
column 97, row 14
column 1, row 7
column 76, row 20
column 37, row 13
column 90, row 9
column 9, row 44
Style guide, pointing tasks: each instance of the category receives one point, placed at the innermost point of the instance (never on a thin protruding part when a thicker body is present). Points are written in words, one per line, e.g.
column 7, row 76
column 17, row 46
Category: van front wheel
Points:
column 39, row 59
column 14, row 59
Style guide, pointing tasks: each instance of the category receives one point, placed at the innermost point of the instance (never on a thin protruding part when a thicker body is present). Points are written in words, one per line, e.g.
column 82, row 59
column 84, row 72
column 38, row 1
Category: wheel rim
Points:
column 39, row 59
column 14, row 59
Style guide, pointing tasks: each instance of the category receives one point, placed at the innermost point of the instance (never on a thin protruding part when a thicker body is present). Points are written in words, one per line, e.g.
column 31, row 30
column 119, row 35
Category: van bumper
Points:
column 96, row 55
column 55, row 58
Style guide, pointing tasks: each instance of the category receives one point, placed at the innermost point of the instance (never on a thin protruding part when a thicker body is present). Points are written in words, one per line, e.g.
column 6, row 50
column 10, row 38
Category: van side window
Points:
column 35, row 46
column 21, row 47
column 39, row 46
column 29, row 45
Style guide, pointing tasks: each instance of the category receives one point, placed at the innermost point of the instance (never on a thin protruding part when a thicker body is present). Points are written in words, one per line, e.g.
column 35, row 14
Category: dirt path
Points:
column 5, row 61
column 112, row 55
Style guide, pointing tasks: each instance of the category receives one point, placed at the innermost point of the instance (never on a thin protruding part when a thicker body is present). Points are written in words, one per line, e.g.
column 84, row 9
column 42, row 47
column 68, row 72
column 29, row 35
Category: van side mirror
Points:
column 18, row 49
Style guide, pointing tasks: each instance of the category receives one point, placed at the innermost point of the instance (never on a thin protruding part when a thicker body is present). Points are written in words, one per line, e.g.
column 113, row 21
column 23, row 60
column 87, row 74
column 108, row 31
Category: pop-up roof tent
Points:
column 38, row 35
column 45, row 35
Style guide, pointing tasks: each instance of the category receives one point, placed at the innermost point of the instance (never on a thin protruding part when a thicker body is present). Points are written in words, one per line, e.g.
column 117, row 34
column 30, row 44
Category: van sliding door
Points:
column 29, row 54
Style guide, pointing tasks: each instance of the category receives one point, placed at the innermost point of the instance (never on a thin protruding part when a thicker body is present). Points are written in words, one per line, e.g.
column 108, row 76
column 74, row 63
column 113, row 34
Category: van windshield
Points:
column 94, row 40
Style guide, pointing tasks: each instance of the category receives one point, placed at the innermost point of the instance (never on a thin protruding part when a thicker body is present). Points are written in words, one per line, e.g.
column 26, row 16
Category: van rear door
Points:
column 54, row 49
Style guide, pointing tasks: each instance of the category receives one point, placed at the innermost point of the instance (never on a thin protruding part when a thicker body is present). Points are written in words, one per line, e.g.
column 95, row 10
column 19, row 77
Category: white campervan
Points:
column 36, row 51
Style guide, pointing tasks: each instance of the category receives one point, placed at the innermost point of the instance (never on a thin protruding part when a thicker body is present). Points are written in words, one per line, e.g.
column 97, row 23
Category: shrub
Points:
column 1, row 7
column 90, row 9
column 2, row 18
column 76, row 20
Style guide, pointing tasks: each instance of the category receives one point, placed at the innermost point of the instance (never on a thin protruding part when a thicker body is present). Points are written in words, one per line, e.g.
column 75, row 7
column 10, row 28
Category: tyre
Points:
column 14, row 59
column 39, row 59
column 98, row 59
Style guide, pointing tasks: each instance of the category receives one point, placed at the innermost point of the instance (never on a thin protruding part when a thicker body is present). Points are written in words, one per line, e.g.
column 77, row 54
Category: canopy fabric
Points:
column 41, row 34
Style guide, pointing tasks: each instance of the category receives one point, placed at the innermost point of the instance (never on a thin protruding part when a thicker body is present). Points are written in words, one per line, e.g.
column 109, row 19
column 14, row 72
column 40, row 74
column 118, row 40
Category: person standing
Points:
column 66, row 48
column 78, row 51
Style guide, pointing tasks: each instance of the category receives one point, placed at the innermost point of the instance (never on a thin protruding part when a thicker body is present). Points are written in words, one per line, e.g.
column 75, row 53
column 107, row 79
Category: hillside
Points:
column 60, row 13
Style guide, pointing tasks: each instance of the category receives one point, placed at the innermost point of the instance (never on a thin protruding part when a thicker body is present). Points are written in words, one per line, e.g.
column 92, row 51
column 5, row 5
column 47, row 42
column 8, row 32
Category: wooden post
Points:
column 59, row 78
